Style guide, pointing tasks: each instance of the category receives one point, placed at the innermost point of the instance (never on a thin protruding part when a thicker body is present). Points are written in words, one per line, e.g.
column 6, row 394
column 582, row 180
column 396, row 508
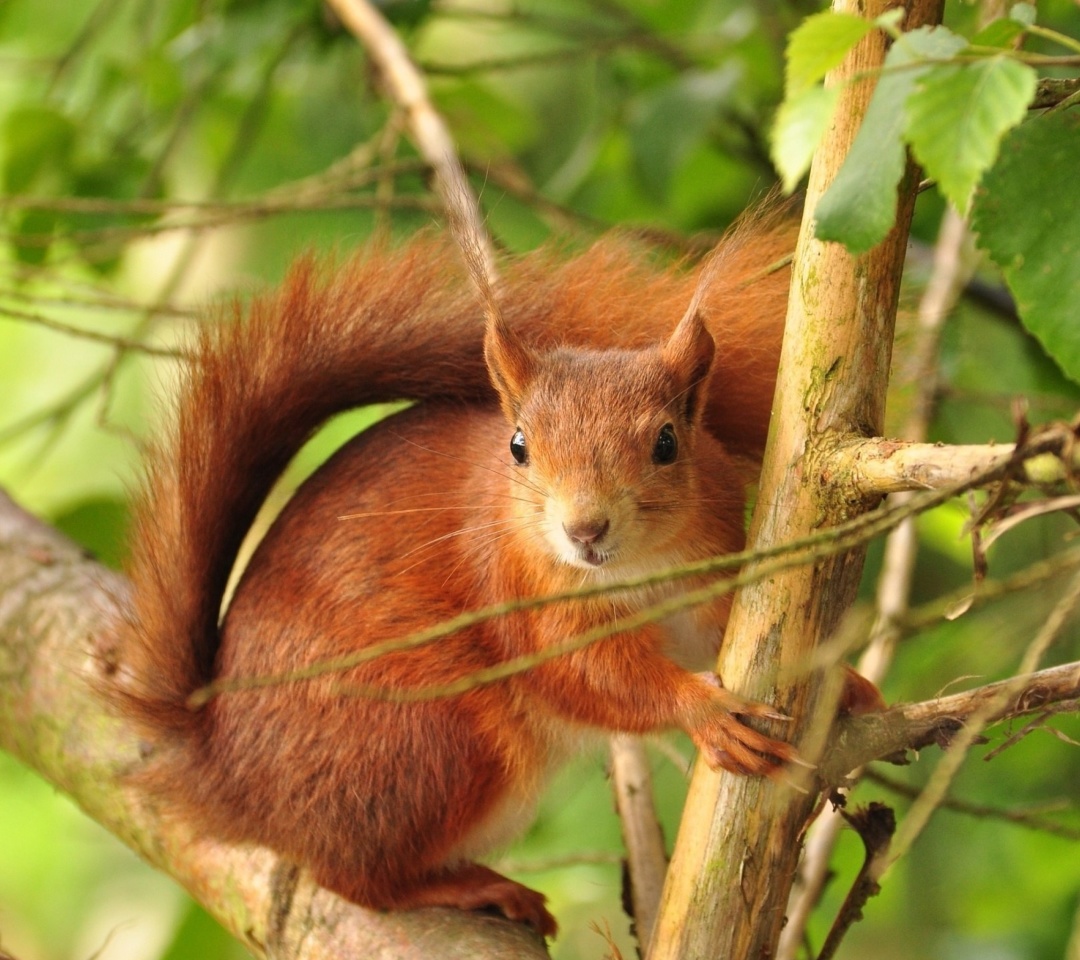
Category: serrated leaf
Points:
column 958, row 115
column 859, row 208
column 800, row 124
column 820, row 43
column 1027, row 215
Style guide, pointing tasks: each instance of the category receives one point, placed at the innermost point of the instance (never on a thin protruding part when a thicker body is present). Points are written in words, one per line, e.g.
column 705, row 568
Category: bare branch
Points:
column 990, row 708
column 407, row 89
column 1033, row 818
column 111, row 340
column 877, row 466
column 951, row 271
column 875, row 825
column 645, row 851
column 912, row 726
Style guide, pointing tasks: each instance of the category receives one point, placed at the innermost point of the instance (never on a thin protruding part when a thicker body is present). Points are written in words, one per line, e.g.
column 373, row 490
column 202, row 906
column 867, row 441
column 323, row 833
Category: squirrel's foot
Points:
column 471, row 886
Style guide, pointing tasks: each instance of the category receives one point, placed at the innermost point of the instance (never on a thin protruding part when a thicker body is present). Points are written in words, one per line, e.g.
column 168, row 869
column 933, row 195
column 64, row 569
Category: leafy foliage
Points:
column 1028, row 219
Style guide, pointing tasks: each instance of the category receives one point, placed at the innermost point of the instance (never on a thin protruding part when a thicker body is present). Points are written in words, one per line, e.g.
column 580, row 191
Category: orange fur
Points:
column 388, row 802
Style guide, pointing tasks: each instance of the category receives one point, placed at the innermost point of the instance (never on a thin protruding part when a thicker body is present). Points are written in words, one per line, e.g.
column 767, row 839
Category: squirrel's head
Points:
column 601, row 444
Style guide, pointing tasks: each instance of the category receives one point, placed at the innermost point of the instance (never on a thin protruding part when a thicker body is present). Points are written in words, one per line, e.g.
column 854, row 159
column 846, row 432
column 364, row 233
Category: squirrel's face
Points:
column 602, row 445
column 602, row 454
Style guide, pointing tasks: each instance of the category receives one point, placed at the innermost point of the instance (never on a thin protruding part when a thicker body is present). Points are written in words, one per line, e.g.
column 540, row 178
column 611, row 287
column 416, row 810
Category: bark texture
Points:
column 739, row 842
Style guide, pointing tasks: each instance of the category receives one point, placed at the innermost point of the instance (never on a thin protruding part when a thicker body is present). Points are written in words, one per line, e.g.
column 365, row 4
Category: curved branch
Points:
column 911, row 726
column 58, row 612
column 406, row 87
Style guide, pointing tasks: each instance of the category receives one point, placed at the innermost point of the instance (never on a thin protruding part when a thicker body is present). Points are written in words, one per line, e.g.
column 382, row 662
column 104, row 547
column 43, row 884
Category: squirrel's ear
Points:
column 688, row 354
column 510, row 364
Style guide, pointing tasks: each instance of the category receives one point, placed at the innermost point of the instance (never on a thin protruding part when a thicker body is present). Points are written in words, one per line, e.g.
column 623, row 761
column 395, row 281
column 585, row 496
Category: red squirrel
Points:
column 579, row 440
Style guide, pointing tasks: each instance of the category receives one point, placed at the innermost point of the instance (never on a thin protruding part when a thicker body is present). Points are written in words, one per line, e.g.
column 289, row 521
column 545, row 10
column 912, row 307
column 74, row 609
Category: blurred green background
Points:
column 572, row 117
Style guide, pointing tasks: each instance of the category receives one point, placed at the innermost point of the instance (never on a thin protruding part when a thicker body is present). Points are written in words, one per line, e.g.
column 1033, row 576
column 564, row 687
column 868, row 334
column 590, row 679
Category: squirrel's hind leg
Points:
column 470, row 886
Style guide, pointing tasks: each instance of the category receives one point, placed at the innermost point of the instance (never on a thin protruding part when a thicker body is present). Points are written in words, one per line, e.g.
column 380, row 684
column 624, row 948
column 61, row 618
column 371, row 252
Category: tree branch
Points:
column 58, row 612
column 869, row 467
column 912, row 726
column 406, row 87
column 735, row 857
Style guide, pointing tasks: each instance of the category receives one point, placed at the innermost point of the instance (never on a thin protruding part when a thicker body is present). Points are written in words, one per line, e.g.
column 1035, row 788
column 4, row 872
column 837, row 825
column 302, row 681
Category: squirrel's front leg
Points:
column 717, row 726
column 625, row 683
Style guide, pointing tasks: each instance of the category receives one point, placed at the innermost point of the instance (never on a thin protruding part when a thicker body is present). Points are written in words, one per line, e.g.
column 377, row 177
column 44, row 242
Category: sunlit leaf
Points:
column 859, row 208
column 819, row 44
column 958, row 115
column 800, row 124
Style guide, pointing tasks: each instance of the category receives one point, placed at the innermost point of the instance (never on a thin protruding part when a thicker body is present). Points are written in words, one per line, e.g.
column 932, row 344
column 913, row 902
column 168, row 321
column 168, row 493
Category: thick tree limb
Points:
column 953, row 267
column 58, row 611
column 57, row 614
column 735, row 858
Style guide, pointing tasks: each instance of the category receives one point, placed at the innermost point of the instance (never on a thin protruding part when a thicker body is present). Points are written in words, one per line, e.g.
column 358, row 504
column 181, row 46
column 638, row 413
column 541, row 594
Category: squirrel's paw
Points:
column 727, row 743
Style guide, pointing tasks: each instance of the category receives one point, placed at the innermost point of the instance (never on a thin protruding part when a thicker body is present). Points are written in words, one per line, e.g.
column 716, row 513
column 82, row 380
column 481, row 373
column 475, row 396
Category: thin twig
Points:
column 912, row 726
column 875, row 825
column 407, row 89
column 111, row 340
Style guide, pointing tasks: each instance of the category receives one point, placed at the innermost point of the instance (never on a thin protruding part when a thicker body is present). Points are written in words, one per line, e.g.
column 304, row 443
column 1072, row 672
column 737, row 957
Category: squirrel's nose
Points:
column 587, row 532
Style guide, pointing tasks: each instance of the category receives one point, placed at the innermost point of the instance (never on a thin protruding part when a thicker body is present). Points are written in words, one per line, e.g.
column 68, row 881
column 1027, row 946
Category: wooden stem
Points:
column 736, row 854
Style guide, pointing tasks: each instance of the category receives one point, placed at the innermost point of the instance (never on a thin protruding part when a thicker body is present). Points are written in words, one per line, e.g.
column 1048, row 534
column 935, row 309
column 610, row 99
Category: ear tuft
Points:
column 511, row 365
column 688, row 355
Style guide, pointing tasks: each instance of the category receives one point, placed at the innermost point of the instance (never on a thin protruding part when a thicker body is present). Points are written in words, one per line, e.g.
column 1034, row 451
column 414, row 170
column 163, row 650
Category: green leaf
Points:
column 859, row 208
column 957, row 117
column 1027, row 214
column 820, row 43
column 800, row 124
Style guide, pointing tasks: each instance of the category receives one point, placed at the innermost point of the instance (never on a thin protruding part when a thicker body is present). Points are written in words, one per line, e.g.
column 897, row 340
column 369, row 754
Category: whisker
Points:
column 459, row 532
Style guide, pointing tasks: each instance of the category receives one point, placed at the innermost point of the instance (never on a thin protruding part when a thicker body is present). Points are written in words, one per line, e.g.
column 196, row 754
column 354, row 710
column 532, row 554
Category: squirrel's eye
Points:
column 518, row 448
column 666, row 445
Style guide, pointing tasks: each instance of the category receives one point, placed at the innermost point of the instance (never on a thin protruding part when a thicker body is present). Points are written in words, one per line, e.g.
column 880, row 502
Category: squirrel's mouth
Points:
column 593, row 556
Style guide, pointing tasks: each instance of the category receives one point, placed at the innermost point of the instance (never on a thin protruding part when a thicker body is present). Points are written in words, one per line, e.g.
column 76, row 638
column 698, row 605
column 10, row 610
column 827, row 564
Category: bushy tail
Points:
column 387, row 326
